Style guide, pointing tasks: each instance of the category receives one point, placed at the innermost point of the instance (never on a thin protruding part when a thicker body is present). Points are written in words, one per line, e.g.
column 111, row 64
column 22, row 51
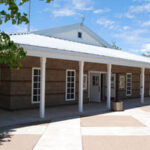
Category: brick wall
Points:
column 17, row 93
column 5, row 84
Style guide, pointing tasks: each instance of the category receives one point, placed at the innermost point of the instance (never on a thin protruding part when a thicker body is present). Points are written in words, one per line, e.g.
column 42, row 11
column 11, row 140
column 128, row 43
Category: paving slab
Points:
column 32, row 129
column 118, row 131
column 18, row 142
column 116, row 142
column 110, row 121
column 145, row 108
column 61, row 135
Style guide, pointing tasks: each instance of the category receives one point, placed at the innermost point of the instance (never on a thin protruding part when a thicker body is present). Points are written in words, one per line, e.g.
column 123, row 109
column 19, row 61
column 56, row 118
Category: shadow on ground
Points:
column 5, row 137
column 26, row 118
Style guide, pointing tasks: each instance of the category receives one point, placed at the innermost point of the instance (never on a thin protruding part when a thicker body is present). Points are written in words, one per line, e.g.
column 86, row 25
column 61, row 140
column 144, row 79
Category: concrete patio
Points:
column 19, row 117
column 128, row 129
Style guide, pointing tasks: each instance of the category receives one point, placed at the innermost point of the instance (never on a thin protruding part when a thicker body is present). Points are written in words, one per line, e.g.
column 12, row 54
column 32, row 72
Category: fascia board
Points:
column 77, row 56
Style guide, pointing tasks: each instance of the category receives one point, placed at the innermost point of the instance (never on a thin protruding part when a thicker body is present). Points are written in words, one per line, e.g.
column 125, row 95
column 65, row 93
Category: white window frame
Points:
column 32, row 101
column 127, row 84
column 74, row 85
column 85, row 77
column 122, row 80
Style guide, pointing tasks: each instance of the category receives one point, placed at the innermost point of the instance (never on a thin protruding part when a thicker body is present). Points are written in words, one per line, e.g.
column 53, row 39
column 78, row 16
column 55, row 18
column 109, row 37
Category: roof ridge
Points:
column 19, row 33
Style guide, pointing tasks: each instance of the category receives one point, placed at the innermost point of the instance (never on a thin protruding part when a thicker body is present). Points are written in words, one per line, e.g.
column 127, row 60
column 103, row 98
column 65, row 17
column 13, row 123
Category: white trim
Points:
column 42, row 86
column 89, row 86
column 142, row 83
column 81, row 73
column 32, row 87
column 127, row 83
column 37, row 51
column 74, row 85
column 109, row 73
column 101, row 72
column 62, row 29
column 86, row 84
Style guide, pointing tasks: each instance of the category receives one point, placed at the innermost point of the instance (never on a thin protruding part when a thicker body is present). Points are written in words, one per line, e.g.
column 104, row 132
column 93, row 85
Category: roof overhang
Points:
column 38, row 51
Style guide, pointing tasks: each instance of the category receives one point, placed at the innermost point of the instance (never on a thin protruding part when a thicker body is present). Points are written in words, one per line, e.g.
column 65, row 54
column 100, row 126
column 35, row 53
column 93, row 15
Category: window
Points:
column 113, row 81
column 129, row 84
column 121, row 82
column 95, row 80
column 85, row 82
column 70, row 85
column 36, row 85
column 79, row 34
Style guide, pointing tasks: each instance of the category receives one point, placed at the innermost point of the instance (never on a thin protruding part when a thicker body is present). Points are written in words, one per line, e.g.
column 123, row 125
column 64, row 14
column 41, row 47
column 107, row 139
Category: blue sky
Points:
column 126, row 22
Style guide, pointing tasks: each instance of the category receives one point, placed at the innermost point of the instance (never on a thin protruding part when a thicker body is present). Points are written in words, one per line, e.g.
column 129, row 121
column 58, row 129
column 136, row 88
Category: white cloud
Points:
column 140, row 8
column 126, row 27
column 70, row 8
column 135, row 9
column 63, row 12
column 106, row 23
column 125, row 15
column 145, row 48
column 19, row 29
column 100, row 11
column 23, row 28
column 132, row 37
column 145, row 24
column 82, row 4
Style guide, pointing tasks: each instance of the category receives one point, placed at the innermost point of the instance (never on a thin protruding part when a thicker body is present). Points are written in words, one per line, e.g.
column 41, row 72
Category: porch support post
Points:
column 42, row 82
column 81, row 72
column 142, row 84
column 109, row 86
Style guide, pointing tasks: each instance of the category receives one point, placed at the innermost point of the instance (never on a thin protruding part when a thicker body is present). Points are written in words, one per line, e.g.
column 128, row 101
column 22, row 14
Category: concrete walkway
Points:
column 9, row 118
column 64, row 135
column 129, row 130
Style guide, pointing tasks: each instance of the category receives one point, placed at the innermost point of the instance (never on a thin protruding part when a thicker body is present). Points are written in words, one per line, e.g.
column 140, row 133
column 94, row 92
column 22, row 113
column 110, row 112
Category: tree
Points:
column 115, row 46
column 146, row 54
column 10, row 52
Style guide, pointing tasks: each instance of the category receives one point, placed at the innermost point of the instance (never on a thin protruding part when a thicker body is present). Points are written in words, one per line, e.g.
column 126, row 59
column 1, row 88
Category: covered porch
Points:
column 31, row 116
column 81, row 53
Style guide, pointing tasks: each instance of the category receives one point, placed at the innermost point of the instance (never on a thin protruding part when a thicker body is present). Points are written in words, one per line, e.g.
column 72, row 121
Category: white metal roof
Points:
column 37, row 45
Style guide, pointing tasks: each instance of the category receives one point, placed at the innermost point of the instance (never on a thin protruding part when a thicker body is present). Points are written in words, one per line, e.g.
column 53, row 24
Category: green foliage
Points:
column 146, row 54
column 115, row 46
column 10, row 52
column 13, row 12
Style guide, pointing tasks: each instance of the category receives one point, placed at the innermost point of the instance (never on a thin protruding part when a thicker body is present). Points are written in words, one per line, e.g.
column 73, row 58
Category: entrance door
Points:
column 113, row 85
column 95, row 87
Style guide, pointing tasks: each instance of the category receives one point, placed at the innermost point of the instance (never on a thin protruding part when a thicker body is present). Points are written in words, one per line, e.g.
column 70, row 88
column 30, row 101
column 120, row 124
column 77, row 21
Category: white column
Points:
column 142, row 84
column 81, row 74
column 108, row 86
column 42, row 100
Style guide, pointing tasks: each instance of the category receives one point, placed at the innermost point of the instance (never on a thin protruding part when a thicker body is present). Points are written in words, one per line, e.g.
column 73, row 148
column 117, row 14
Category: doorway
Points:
column 98, row 86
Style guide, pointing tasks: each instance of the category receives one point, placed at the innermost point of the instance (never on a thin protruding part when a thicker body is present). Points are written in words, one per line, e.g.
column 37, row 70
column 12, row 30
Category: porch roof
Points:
column 44, row 46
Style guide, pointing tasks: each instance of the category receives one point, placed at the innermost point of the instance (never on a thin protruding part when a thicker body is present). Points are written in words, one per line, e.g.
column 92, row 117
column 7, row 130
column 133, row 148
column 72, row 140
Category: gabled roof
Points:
column 52, row 31
column 43, row 46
